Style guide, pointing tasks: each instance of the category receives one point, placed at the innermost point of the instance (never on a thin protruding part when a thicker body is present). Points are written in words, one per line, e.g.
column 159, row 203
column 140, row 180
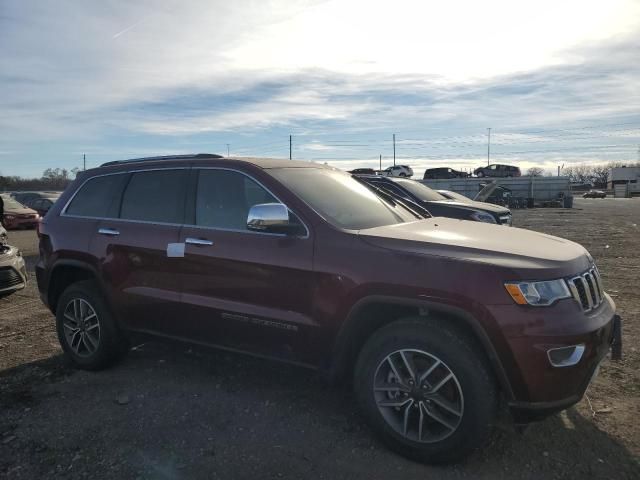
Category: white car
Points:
column 398, row 171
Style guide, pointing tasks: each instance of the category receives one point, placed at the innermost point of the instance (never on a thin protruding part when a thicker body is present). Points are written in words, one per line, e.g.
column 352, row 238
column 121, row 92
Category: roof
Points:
column 204, row 158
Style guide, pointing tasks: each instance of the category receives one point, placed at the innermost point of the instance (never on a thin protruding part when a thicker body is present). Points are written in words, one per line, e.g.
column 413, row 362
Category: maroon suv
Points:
column 434, row 320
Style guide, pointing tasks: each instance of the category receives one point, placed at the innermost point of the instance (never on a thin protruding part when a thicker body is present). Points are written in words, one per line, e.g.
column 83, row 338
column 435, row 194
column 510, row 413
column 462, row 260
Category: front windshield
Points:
column 420, row 190
column 11, row 204
column 340, row 199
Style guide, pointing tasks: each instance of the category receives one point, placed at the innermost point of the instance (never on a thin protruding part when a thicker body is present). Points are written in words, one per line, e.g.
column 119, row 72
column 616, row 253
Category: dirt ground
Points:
column 178, row 412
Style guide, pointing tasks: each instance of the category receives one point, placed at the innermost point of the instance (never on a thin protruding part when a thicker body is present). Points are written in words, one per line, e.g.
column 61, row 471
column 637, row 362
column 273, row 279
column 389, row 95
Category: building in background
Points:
column 624, row 181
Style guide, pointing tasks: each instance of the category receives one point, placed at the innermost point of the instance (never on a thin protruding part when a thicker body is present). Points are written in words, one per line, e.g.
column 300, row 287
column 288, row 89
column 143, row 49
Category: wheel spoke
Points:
column 391, row 387
column 395, row 370
column 407, row 364
column 394, row 403
column 407, row 414
column 70, row 328
column 438, row 418
column 430, row 370
column 445, row 404
column 76, row 336
column 89, row 342
column 439, row 385
column 71, row 318
column 76, row 310
column 420, row 421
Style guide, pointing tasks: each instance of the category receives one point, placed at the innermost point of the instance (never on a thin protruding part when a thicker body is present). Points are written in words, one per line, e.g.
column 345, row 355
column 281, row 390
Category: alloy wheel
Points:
column 81, row 327
column 418, row 395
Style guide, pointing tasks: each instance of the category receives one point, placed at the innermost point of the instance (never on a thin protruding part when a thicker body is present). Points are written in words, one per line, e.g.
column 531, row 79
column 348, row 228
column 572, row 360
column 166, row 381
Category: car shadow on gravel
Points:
column 171, row 411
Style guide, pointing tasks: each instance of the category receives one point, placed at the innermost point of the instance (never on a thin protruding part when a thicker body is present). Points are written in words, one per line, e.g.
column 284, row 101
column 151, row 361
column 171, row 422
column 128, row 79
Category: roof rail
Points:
column 163, row 157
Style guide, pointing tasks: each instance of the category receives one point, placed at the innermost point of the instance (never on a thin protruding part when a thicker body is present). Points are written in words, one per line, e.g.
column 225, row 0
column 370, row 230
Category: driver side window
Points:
column 224, row 198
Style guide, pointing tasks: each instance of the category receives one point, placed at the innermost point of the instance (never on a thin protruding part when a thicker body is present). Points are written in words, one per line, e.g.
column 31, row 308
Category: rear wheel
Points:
column 426, row 390
column 86, row 329
column 480, row 174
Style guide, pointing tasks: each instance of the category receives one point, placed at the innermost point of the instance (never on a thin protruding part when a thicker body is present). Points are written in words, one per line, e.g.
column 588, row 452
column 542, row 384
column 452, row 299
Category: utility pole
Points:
column 84, row 161
column 227, row 144
column 289, row 147
column 558, row 170
column 488, row 145
column 380, row 162
column 394, row 149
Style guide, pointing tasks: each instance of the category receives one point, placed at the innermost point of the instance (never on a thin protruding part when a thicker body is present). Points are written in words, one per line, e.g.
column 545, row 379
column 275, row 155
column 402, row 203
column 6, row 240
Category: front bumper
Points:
column 13, row 273
column 527, row 412
column 539, row 387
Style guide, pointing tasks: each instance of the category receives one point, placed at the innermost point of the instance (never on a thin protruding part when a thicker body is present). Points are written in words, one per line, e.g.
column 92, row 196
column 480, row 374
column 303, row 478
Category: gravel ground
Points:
column 177, row 412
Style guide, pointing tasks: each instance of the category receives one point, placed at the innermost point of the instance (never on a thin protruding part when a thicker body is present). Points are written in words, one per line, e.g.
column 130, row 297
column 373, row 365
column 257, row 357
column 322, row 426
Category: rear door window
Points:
column 155, row 196
column 99, row 197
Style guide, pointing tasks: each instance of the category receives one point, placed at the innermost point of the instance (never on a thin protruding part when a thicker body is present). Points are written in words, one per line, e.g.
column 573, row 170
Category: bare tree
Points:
column 535, row 172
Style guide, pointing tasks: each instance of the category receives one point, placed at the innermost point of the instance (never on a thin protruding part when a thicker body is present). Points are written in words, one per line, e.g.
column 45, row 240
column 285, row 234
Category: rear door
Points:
column 245, row 290
column 134, row 244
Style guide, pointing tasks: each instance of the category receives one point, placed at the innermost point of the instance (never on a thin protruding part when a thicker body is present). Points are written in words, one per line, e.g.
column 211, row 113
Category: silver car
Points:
column 13, row 273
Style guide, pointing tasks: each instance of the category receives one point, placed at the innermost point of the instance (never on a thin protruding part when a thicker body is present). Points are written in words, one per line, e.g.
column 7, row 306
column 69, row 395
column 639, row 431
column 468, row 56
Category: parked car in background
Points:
column 17, row 215
column 363, row 171
column 444, row 172
column 13, row 274
column 497, row 170
column 594, row 194
column 398, row 171
column 42, row 204
column 438, row 205
column 26, row 197
column 437, row 323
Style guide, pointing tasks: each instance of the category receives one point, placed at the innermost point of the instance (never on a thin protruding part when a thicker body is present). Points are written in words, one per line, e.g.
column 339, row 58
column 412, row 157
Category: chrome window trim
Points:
column 63, row 212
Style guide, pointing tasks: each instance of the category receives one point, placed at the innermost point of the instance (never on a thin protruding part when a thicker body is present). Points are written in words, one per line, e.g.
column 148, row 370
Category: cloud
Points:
column 342, row 77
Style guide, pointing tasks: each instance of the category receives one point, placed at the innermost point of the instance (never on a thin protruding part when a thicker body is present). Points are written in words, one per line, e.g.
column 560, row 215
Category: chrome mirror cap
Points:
column 268, row 217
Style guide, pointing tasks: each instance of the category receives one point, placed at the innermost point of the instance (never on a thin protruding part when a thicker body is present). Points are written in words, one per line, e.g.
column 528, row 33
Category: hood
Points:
column 481, row 242
column 486, row 192
column 472, row 204
column 19, row 211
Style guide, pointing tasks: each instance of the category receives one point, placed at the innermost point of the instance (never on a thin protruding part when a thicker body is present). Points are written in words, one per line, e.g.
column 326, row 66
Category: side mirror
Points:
column 269, row 217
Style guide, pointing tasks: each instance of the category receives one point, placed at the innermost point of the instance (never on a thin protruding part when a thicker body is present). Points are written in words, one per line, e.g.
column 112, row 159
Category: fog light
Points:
column 565, row 356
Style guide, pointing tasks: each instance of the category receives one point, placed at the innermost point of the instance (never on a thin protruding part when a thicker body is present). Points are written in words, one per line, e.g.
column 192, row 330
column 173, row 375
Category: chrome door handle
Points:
column 198, row 241
column 108, row 231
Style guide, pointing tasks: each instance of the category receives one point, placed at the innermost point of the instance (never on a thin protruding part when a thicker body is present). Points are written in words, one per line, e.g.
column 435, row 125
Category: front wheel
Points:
column 86, row 328
column 426, row 390
column 480, row 174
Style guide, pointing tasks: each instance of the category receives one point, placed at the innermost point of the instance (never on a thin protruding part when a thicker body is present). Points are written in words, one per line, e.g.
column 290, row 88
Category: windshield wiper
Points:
column 395, row 200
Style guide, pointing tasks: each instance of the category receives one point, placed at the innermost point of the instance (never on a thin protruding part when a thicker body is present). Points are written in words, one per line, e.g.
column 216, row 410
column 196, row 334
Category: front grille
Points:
column 587, row 289
column 9, row 278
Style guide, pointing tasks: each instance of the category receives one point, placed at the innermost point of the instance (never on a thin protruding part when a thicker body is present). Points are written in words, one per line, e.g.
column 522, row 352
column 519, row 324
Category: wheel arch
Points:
column 65, row 273
column 372, row 313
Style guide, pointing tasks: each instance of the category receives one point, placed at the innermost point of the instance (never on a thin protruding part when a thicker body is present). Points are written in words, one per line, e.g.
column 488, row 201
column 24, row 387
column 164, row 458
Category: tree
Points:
column 535, row 172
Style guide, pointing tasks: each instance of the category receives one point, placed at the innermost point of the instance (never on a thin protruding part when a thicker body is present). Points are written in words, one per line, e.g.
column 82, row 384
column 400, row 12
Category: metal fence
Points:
column 541, row 189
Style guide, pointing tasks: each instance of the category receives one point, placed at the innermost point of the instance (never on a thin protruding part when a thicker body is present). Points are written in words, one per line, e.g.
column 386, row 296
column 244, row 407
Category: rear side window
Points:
column 155, row 196
column 224, row 198
column 98, row 197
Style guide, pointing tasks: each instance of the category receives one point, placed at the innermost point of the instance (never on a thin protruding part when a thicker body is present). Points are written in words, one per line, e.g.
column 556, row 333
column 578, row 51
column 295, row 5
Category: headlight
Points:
column 8, row 216
column 483, row 217
column 538, row 294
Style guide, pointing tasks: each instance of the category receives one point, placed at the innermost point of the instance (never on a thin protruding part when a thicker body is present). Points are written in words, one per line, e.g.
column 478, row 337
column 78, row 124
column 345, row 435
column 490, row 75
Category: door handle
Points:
column 108, row 231
column 201, row 242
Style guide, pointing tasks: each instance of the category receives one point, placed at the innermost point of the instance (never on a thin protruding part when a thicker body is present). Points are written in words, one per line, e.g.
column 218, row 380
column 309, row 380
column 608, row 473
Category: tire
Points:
column 92, row 341
column 403, row 174
column 471, row 393
column 480, row 174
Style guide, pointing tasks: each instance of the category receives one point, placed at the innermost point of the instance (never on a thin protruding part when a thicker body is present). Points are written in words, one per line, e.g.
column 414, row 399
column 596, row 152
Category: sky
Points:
column 558, row 82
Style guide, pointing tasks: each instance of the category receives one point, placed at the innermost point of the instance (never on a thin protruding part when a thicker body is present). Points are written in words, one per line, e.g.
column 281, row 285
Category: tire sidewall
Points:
column 478, row 390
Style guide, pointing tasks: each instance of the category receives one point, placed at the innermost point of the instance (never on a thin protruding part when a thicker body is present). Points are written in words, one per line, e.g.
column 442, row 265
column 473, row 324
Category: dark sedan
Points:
column 594, row 194
column 438, row 205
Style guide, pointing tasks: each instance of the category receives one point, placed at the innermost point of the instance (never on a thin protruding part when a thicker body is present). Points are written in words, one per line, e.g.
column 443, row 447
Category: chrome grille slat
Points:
column 586, row 289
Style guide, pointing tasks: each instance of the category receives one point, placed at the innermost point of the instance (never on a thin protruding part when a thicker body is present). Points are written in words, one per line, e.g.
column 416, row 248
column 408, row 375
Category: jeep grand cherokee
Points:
column 434, row 320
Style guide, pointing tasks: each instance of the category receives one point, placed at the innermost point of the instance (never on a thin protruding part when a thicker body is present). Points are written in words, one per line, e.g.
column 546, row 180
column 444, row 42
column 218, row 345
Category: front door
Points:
column 241, row 289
